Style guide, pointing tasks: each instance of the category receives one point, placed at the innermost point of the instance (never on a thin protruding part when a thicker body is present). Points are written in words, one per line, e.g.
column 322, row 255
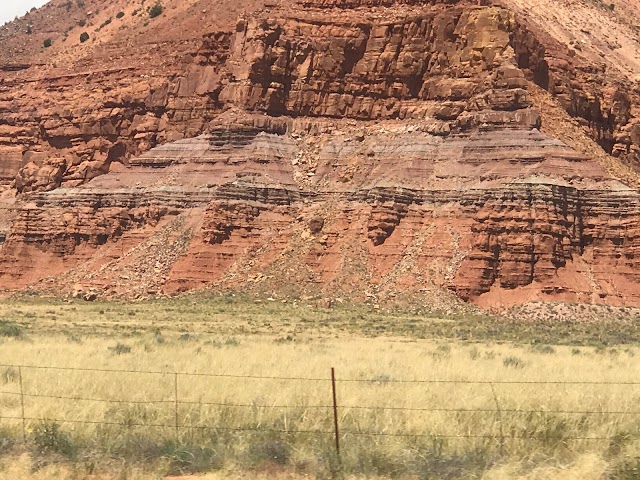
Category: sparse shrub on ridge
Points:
column 232, row 342
column 10, row 329
column 190, row 458
column 271, row 450
column 548, row 349
column 47, row 43
column 156, row 10
column 84, row 36
column 514, row 362
column 10, row 375
column 49, row 438
column 105, row 23
column 6, row 440
column 120, row 349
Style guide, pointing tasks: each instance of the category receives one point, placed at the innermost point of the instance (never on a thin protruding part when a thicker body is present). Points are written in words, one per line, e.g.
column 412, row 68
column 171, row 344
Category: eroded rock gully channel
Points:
column 353, row 148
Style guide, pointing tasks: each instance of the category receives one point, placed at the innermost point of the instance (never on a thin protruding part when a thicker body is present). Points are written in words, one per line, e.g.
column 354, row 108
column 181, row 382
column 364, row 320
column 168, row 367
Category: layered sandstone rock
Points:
column 595, row 81
column 482, row 214
column 433, row 65
column 364, row 148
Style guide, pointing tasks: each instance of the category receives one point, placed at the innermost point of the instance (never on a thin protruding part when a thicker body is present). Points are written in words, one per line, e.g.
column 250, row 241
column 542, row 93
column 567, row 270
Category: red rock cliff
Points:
column 371, row 149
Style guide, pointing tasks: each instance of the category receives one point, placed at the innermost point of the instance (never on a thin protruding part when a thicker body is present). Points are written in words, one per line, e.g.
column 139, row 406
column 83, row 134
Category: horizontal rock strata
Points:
column 481, row 214
column 358, row 148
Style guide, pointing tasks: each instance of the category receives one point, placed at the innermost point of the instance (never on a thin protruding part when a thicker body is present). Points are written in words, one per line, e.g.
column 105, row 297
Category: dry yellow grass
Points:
column 586, row 467
column 462, row 430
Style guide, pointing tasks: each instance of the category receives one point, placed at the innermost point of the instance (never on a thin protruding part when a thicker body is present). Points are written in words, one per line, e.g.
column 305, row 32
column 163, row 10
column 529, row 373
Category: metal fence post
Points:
column 24, row 422
column 177, row 423
column 499, row 411
column 335, row 411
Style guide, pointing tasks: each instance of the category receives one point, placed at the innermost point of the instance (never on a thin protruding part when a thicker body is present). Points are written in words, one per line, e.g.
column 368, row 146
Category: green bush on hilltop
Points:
column 156, row 10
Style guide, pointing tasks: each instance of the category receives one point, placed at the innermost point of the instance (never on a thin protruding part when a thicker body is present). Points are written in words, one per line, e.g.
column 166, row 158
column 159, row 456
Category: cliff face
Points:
column 367, row 148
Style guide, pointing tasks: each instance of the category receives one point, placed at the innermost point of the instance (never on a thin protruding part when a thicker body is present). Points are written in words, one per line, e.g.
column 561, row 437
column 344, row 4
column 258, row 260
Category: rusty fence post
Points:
column 335, row 411
column 176, row 404
column 24, row 422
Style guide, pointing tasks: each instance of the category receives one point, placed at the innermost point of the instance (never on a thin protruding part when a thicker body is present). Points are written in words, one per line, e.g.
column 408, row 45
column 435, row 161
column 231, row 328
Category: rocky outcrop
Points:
column 367, row 148
column 433, row 66
column 569, row 243
column 603, row 101
column 63, row 131
column 481, row 214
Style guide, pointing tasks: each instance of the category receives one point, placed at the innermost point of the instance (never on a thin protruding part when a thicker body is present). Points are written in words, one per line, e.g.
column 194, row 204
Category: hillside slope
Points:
column 391, row 150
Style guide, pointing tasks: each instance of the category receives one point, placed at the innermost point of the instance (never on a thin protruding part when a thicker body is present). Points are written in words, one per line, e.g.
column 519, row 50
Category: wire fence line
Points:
column 24, row 394
column 342, row 406
column 294, row 431
column 326, row 379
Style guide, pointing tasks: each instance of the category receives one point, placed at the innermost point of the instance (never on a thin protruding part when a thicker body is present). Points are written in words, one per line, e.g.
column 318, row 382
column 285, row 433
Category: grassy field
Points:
column 470, row 420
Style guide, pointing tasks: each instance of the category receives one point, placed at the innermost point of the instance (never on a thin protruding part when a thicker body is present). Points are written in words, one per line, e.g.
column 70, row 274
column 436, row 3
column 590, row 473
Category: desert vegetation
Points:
column 486, row 409
column 156, row 10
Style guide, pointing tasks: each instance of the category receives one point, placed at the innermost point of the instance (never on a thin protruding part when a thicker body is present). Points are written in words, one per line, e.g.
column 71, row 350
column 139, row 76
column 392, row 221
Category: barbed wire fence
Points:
column 333, row 407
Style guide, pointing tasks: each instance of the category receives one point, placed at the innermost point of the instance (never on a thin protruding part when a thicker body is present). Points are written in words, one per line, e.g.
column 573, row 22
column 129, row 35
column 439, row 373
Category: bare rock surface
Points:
column 378, row 150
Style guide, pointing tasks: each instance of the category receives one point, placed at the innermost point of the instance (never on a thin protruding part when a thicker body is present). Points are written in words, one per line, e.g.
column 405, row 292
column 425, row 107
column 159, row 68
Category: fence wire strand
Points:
column 339, row 380
column 293, row 431
column 324, row 407
column 25, row 394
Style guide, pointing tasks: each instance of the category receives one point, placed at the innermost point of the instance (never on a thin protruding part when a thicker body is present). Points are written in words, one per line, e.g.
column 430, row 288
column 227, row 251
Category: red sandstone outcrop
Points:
column 482, row 214
column 370, row 148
